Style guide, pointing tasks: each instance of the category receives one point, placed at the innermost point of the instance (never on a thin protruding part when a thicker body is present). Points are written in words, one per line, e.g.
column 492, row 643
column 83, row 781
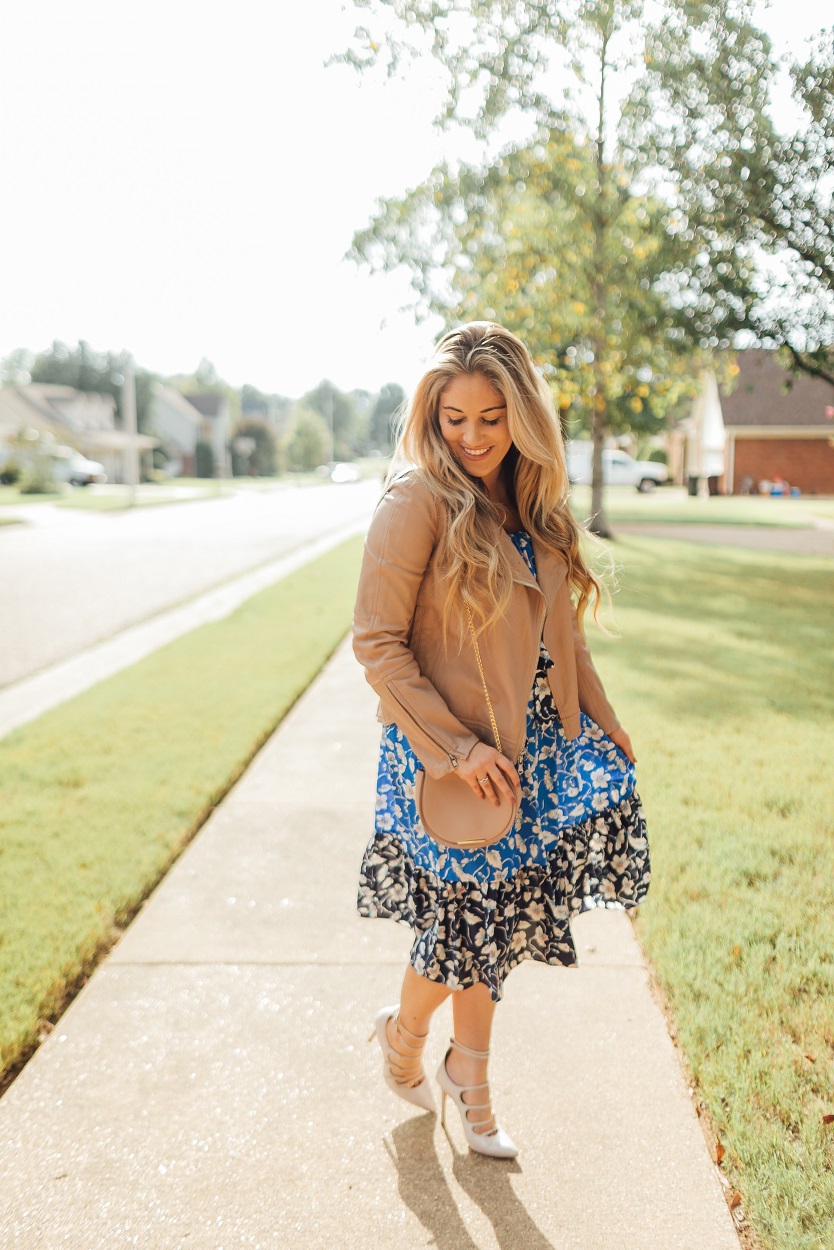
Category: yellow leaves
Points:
column 578, row 307
column 635, row 403
column 642, row 390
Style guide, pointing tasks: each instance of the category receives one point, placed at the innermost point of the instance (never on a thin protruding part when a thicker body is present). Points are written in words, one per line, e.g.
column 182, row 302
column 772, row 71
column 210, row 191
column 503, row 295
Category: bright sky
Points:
column 183, row 178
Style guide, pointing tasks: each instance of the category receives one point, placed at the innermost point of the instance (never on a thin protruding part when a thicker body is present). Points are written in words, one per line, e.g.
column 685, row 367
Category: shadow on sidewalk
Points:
column 424, row 1188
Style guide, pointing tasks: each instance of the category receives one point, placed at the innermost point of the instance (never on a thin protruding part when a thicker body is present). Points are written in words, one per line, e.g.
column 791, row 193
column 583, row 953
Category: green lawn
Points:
column 102, row 794
column 724, row 677
column 672, row 504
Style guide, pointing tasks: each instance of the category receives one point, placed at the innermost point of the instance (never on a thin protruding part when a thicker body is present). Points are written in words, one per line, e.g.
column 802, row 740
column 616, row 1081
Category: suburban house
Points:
column 180, row 421
column 773, row 425
column 81, row 419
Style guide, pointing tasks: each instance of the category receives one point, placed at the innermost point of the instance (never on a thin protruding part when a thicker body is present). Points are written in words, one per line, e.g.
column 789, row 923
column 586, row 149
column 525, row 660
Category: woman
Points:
column 481, row 519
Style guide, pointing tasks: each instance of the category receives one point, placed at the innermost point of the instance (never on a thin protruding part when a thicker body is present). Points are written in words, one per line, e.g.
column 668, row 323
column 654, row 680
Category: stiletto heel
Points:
column 394, row 1063
column 492, row 1141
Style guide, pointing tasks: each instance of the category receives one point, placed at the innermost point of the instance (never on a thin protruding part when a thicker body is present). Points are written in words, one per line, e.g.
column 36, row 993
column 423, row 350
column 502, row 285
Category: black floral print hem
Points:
column 468, row 932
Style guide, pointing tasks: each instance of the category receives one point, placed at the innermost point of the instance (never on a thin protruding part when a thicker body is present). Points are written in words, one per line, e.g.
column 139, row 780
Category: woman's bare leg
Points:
column 472, row 1010
column 419, row 999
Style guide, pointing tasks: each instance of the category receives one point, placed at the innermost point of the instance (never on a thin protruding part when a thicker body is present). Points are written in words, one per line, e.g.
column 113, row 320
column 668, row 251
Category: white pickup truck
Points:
column 618, row 467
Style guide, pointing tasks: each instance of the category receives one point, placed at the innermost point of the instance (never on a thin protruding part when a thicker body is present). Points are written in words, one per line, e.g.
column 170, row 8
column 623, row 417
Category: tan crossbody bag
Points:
column 449, row 809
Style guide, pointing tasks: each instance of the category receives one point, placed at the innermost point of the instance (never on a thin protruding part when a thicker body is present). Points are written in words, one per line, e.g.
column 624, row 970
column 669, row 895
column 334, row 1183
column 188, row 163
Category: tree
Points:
column 335, row 407
column 203, row 458
column 263, row 460
column 552, row 238
column 756, row 202
column 15, row 369
column 742, row 199
column 388, row 403
column 309, row 441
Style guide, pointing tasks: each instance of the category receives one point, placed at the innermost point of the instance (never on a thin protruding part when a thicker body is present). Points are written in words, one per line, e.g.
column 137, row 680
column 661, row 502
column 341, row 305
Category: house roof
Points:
column 55, row 407
column 760, row 398
column 166, row 398
column 209, row 403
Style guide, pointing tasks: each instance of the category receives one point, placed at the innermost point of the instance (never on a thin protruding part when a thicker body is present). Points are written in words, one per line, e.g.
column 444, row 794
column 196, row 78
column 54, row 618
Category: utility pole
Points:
column 129, row 423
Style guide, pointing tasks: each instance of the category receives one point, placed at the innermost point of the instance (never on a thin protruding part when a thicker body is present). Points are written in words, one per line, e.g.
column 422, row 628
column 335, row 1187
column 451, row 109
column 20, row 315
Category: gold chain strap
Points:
column 483, row 680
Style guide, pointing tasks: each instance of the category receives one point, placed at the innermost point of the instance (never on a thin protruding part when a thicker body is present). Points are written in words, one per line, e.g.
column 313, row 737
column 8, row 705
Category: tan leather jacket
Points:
column 437, row 699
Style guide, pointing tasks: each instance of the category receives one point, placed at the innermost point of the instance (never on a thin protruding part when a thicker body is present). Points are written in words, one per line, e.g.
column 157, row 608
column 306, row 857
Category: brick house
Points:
column 771, row 432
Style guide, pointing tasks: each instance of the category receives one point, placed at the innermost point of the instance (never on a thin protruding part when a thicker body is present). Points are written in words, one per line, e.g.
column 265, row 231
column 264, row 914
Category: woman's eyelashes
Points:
column 459, row 421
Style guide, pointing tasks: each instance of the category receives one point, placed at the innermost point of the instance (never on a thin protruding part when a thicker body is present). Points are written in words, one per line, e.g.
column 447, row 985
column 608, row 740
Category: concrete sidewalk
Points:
column 211, row 1086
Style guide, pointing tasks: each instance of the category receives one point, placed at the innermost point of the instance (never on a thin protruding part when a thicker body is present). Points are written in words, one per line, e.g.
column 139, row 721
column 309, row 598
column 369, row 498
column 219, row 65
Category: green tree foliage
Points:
column 15, row 369
column 757, row 203
column 339, row 412
column 309, row 441
column 388, row 403
column 203, row 459
column 748, row 234
column 262, row 461
column 551, row 238
column 84, row 369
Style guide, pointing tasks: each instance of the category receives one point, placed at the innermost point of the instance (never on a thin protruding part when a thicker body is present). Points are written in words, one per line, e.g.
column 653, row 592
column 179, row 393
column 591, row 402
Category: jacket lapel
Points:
column 518, row 564
column 551, row 571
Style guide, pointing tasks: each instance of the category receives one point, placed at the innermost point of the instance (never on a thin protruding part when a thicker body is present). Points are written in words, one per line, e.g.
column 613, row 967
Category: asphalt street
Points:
column 73, row 578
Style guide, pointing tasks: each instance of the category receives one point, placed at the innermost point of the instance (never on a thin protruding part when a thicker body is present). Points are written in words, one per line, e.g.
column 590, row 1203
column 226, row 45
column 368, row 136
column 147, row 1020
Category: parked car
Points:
column 344, row 472
column 77, row 469
column 618, row 467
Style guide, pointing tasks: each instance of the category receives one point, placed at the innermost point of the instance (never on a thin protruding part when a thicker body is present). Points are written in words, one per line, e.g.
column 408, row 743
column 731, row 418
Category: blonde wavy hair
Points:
column 476, row 569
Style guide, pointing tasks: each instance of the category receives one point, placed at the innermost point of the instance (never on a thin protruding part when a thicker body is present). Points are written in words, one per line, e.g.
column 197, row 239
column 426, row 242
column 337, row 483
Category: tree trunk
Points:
column 599, row 414
column 598, row 523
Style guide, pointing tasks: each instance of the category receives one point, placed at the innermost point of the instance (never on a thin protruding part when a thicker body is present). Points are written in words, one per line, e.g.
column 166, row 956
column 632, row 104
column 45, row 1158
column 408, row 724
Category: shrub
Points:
column 37, row 479
column 203, row 459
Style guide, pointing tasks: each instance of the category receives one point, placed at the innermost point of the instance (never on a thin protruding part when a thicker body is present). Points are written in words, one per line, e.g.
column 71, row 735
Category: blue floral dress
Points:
column 579, row 841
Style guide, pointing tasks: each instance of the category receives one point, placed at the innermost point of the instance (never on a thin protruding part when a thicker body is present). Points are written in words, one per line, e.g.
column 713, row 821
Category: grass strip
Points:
column 102, row 794
column 724, row 676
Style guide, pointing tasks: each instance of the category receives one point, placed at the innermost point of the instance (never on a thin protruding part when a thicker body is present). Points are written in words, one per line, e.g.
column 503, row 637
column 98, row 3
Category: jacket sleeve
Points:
column 592, row 697
column 398, row 547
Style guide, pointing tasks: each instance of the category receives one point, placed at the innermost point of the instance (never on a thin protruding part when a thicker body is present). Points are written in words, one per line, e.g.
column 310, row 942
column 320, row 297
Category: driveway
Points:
column 810, row 542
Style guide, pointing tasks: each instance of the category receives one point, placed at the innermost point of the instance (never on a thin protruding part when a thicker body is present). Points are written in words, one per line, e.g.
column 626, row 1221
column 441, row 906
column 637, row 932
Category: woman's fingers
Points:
column 498, row 782
column 490, row 774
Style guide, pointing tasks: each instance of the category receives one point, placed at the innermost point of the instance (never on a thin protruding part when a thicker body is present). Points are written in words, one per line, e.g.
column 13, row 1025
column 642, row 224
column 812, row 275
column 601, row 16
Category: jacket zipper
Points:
column 453, row 759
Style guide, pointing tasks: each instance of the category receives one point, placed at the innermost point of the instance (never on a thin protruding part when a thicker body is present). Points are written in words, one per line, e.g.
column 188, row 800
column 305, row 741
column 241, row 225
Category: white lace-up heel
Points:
column 399, row 1076
column 492, row 1141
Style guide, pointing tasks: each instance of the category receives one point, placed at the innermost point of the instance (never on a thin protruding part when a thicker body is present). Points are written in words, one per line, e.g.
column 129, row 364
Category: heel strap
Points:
column 401, row 1030
column 467, row 1050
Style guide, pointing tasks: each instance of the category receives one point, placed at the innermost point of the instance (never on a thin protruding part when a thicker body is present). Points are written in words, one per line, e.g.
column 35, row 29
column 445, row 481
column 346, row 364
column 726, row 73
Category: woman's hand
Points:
column 489, row 773
column 622, row 740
